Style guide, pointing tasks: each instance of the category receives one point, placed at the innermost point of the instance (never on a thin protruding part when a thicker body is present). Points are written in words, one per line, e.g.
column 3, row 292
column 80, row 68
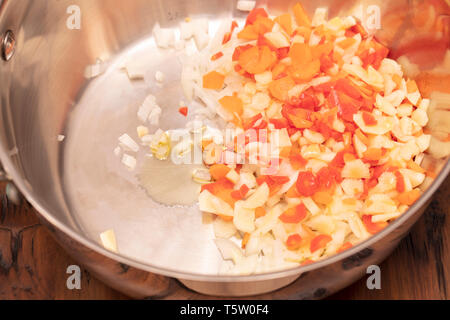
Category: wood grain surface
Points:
column 33, row 265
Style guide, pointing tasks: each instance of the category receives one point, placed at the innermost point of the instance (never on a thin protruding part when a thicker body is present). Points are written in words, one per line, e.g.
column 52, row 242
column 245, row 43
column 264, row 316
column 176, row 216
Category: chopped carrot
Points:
column 294, row 242
column 373, row 154
column 227, row 36
column 298, row 117
column 183, row 111
column 285, row 21
column 300, row 53
column 371, row 227
column 301, row 17
column 219, row 171
column 257, row 59
column 294, row 214
column 344, row 247
column 409, row 197
column 397, row 79
column 254, row 14
column 232, row 104
column 400, row 182
column 205, row 143
column 349, row 157
column 348, row 88
column 349, row 201
column 411, row 86
column 307, row 261
column 292, row 192
column 279, row 89
column 216, row 56
column 319, row 242
column 237, row 52
column 323, row 197
column 248, row 33
column 260, row 212
column 263, row 25
column 240, row 193
column 305, row 32
column 245, row 239
column 225, row 195
column 213, row 80
column 369, row 119
column 297, row 161
column 278, row 71
column 226, row 218
column 415, row 167
column 362, row 137
column 321, row 50
column 347, row 43
column 304, row 73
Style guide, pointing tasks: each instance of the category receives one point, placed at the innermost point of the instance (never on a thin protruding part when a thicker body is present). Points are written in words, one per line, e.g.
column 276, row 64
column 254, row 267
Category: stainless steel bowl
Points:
column 80, row 189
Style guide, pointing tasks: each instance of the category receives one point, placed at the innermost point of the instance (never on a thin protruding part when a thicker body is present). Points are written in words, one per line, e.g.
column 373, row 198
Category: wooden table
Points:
column 33, row 265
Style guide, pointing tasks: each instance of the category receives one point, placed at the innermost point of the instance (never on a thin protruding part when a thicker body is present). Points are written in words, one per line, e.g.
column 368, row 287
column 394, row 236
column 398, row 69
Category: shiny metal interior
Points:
column 78, row 185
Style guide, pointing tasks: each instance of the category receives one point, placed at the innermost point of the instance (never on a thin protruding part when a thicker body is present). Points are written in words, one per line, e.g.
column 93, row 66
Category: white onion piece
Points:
column 243, row 5
column 128, row 143
column 229, row 250
column 129, row 161
column 108, row 239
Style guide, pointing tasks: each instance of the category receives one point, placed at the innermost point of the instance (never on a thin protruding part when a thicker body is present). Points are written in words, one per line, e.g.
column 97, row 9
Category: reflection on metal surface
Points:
column 8, row 45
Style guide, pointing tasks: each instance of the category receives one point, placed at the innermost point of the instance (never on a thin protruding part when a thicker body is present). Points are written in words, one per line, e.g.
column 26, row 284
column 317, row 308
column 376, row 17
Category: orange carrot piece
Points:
column 263, row 25
column 362, row 137
column 322, row 197
column 415, row 167
column 369, row 119
column 411, row 86
column 348, row 42
column 278, row 71
column 301, row 17
column 409, row 197
column 319, row 242
column 307, row 261
column 285, row 21
column 292, row 192
column 294, row 241
column 232, row 104
column 373, row 154
column 216, row 56
column 260, row 212
column 205, row 143
column 305, row 73
column 226, row 218
column 344, row 247
column 400, row 182
column 300, row 53
column 372, row 227
column 280, row 88
column 213, row 80
column 245, row 239
column 219, row 171
column 257, row 59
column 248, row 33
column 294, row 214
column 397, row 79
column 321, row 50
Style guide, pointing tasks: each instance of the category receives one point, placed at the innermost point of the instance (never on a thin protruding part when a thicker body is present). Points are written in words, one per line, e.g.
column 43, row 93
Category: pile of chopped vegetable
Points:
column 349, row 130
column 327, row 134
